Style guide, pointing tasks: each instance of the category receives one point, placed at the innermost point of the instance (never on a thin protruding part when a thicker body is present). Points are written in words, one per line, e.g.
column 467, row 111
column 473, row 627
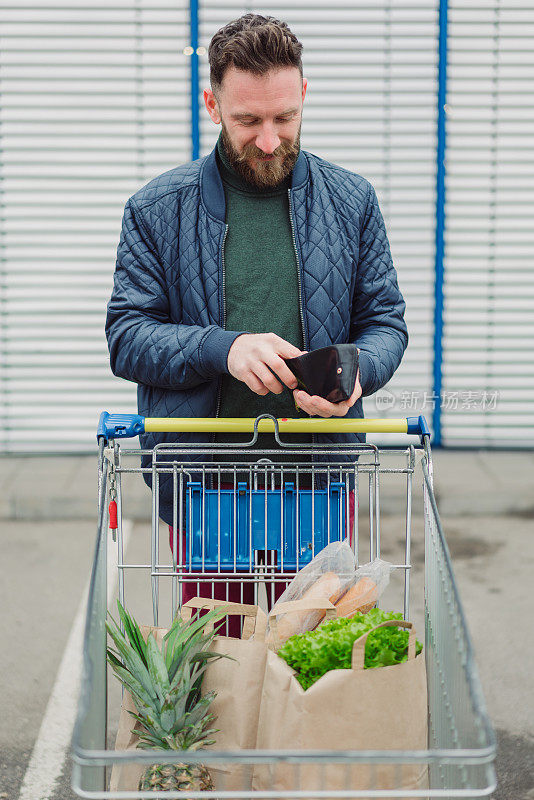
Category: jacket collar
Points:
column 211, row 186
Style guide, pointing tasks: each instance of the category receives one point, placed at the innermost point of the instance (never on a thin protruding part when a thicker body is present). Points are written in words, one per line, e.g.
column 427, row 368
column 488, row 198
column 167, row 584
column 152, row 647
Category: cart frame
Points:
column 462, row 746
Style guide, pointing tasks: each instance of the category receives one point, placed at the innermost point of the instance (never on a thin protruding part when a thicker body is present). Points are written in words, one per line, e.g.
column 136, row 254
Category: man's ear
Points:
column 304, row 87
column 212, row 106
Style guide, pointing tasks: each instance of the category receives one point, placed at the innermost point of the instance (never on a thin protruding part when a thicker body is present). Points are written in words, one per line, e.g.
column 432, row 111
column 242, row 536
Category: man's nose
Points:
column 267, row 140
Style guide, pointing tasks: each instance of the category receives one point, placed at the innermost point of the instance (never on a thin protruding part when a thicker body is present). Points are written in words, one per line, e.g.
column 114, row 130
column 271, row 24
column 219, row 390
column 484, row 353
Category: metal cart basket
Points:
column 247, row 524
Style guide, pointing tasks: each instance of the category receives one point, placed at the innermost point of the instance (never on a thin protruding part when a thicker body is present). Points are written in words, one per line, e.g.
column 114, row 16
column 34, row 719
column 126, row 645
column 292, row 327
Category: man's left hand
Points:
column 318, row 406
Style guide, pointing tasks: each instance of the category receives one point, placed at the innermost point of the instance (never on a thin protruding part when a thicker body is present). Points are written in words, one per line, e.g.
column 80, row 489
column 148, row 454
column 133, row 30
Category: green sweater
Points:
column 260, row 288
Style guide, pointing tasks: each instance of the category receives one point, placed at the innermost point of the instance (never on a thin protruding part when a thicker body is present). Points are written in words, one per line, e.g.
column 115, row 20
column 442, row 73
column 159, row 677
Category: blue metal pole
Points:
column 440, row 223
column 195, row 83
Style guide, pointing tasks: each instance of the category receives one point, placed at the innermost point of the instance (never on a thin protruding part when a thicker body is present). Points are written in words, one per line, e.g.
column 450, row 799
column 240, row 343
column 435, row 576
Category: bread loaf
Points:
column 326, row 587
column 360, row 598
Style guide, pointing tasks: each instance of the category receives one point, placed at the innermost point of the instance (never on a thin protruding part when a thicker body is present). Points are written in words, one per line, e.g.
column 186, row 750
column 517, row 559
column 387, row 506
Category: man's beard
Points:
column 266, row 174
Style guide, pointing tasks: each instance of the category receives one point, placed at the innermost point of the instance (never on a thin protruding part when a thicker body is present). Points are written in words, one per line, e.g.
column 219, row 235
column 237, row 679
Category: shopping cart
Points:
column 252, row 525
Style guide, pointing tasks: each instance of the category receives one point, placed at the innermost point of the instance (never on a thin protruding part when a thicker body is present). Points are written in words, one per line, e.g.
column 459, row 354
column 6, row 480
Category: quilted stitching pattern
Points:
column 165, row 314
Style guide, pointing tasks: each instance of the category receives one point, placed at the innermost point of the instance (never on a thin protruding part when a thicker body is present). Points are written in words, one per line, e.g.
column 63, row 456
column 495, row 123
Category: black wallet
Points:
column 329, row 372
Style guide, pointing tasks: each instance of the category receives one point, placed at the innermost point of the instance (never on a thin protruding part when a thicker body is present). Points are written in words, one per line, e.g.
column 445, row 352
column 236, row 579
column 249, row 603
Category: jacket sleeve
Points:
column 377, row 319
column 144, row 345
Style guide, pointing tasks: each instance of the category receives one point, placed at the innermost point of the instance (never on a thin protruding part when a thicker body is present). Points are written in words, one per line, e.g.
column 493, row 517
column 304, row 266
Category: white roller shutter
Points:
column 371, row 107
column 94, row 101
column 488, row 368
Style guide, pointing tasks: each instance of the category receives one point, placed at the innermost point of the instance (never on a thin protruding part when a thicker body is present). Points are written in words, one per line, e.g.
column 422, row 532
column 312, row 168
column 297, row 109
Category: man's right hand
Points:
column 252, row 357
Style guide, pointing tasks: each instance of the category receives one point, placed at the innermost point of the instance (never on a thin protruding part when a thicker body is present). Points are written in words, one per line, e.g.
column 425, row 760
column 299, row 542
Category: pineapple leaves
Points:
column 148, row 742
column 139, row 695
column 182, row 632
column 131, row 658
column 190, row 654
column 112, row 659
column 199, row 712
column 168, row 715
column 165, row 682
column 197, row 623
column 133, row 632
column 157, row 669
column 181, row 689
column 150, row 721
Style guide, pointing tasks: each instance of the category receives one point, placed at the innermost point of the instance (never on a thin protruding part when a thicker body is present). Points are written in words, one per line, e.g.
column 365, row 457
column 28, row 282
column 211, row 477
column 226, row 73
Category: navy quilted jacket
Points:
column 166, row 321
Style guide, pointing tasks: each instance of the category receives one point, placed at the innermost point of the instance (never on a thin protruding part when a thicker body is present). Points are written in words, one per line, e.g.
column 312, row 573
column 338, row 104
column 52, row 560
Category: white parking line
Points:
column 48, row 755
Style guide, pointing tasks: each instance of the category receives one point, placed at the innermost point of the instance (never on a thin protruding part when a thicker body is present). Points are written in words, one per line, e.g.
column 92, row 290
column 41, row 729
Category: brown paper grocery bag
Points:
column 384, row 708
column 238, row 685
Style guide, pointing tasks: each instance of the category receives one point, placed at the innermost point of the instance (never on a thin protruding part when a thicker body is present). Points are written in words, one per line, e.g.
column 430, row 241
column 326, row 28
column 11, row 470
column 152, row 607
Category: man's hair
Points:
column 255, row 44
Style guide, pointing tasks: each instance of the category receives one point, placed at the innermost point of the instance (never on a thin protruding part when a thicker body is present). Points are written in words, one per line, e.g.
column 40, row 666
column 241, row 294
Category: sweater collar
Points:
column 212, row 190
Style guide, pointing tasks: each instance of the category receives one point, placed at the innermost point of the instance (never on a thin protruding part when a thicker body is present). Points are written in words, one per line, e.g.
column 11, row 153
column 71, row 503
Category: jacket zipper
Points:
column 224, row 277
column 300, row 288
column 298, row 271
column 218, row 409
column 219, row 391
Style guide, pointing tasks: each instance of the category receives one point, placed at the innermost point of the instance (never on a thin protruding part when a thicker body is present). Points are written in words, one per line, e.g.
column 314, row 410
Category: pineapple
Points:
column 165, row 688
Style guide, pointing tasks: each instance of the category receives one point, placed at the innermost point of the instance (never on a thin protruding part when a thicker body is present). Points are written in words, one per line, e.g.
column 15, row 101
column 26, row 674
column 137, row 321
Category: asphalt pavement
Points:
column 48, row 525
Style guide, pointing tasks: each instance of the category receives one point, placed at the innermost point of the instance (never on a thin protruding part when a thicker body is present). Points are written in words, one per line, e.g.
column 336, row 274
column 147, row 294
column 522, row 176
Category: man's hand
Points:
column 321, row 407
column 252, row 357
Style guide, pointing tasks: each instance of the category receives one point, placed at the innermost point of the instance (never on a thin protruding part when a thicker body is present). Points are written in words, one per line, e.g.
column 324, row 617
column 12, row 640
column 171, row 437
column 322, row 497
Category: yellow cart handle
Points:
column 124, row 426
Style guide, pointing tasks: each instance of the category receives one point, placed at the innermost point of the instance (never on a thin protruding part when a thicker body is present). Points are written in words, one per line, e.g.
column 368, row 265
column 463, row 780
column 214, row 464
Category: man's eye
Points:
column 248, row 122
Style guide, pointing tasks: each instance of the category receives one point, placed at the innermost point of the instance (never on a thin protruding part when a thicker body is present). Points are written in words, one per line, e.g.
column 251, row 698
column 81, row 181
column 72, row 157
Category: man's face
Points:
column 261, row 117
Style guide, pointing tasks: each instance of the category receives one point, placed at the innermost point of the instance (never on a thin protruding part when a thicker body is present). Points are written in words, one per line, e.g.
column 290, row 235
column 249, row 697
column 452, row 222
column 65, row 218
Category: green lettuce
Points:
column 329, row 646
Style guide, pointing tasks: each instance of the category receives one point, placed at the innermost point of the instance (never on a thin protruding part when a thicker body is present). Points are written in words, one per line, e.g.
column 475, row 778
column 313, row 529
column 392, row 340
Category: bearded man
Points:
column 229, row 265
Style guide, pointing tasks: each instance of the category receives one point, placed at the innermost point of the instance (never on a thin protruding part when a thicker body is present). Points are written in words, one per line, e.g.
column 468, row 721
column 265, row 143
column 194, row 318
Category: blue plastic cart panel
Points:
column 236, row 524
